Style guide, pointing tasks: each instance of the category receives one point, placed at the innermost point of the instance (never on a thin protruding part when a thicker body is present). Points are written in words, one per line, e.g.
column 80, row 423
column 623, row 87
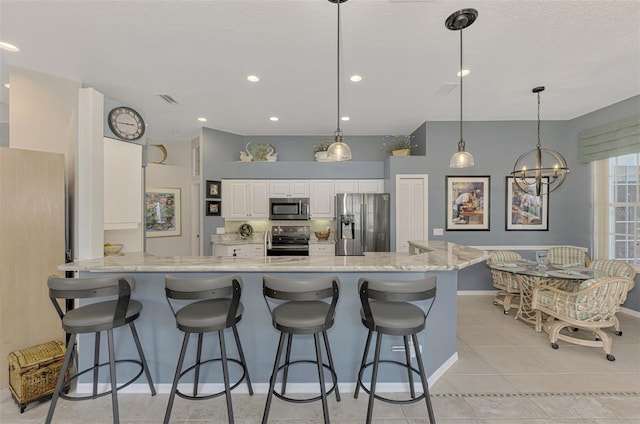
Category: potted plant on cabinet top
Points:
column 399, row 145
column 320, row 150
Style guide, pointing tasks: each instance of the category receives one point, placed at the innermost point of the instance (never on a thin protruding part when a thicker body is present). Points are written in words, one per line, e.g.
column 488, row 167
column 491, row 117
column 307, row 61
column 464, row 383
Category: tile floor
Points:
column 506, row 374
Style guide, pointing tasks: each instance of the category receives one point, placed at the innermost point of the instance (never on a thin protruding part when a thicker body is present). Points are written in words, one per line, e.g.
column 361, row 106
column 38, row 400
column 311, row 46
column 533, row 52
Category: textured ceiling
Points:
column 587, row 54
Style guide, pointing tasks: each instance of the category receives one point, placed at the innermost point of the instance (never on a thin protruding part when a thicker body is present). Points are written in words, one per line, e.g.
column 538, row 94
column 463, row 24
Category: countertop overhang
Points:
column 436, row 256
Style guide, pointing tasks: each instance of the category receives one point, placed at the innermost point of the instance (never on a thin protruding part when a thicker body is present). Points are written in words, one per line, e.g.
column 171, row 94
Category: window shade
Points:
column 614, row 139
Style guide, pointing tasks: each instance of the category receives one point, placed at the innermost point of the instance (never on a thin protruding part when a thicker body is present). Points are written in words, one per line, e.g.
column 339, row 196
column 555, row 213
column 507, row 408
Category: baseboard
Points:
column 635, row 314
column 264, row 387
column 476, row 292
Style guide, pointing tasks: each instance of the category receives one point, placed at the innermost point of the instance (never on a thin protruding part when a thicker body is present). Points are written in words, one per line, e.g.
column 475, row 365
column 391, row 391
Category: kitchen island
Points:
column 161, row 340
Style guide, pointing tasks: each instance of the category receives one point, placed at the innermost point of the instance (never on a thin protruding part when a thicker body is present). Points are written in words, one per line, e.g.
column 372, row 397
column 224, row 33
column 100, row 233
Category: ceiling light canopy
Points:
column 338, row 151
column 542, row 169
column 457, row 21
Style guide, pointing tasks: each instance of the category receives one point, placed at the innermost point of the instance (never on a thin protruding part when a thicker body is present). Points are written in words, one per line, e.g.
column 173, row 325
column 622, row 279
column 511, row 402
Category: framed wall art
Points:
column 162, row 212
column 214, row 189
column 524, row 210
column 213, row 208
column 467, row 203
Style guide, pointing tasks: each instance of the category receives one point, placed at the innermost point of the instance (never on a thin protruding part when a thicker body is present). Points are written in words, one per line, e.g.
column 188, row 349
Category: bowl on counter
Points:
column 323, row 235
column 112, row 249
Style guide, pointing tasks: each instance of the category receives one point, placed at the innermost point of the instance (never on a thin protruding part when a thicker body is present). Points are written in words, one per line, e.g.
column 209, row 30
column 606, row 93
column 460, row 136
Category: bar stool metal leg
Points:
column 272, row 383
column 425, row 383
column 96, row 363
column 323, row 394
column 374, row 377
column 407, row 353
column 241, row 353
column 225, row 374
column 63, row 371
column 197, row 372
column 114, row 383
column 364, row 361
column 145, row 366
column 176, row 378
column 287, row 358
column 333, row 375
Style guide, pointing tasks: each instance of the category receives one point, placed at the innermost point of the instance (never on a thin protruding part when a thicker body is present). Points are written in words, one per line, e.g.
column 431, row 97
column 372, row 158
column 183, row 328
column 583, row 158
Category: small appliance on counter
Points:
column 289, row 240
column 363, row 221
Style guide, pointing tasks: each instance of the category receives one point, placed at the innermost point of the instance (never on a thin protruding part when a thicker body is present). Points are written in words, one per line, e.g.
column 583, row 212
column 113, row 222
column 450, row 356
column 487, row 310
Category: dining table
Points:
column 531, row 274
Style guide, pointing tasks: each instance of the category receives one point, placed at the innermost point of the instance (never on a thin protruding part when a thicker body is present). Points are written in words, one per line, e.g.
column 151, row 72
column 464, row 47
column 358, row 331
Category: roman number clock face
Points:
column 126, row 123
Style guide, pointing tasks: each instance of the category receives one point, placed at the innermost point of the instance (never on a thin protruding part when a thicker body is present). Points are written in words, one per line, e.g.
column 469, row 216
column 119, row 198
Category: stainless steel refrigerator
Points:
column 363, row 223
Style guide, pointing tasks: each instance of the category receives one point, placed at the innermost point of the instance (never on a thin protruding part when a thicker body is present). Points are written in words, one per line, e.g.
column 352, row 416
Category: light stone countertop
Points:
column 441, row 256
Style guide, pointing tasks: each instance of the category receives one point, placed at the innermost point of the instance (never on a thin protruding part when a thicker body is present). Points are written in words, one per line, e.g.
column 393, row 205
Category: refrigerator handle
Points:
column 363, row 232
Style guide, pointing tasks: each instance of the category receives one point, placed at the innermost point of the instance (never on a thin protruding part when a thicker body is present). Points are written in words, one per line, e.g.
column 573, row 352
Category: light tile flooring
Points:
column 506, row 374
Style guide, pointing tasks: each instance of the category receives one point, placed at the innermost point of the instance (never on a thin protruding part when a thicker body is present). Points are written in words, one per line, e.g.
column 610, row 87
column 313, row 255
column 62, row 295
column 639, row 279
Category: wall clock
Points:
column 126, row 123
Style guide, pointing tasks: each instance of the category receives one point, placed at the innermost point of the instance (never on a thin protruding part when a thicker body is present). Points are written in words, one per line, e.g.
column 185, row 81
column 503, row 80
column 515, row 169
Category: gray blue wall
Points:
column 495, row 145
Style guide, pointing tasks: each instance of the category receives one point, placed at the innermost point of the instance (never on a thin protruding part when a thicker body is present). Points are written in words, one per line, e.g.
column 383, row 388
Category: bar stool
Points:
column 387, row 309
column 94, row 318
column 297, row 307
column 216, row 307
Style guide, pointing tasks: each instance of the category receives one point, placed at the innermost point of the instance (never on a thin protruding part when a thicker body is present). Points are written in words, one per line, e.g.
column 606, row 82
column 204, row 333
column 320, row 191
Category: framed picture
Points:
column 213, row 189
column 162, row 212
column 524, row 210
column 467, row 203
column 213, row 208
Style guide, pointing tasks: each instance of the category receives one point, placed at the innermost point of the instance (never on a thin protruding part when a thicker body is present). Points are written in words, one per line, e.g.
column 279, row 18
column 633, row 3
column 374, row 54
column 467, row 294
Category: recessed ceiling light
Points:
column 8, row 47
column 345, row 118
column 274, row 119
column 464, row 72
column 253, row 78
column 7, row 85
column 202, row 119
column 355, row 78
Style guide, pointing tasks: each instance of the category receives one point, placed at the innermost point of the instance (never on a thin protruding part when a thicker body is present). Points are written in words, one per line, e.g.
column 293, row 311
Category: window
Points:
column 617, row 211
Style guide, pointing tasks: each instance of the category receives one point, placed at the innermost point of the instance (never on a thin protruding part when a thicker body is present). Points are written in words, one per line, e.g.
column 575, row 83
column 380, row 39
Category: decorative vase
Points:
column 401, row 152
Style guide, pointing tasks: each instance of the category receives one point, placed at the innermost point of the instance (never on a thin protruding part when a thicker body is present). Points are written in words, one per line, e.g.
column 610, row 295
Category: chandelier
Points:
column 540, row 167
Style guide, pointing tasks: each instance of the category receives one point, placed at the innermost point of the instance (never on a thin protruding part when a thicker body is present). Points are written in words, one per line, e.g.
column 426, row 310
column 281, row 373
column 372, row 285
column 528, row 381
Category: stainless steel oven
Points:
column 289, row 208
column 288, row 240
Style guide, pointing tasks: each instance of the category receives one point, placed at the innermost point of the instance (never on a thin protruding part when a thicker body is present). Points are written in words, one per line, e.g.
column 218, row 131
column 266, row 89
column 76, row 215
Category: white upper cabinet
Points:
column 346, row 186
column 242, row 199
column 289, row 188
column 322, row 199
column 122, row 184
column 359, row 186
column 371, row 186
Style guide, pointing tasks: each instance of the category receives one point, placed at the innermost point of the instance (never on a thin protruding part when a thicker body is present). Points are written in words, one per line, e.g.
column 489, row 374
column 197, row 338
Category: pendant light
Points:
column 533, row 167
column 338, row 151
column 457, row 21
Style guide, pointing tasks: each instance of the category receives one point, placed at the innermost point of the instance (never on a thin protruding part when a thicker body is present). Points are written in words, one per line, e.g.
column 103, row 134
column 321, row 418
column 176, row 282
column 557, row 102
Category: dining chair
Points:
column 505, row 282
column 615, row 268
column 567, row 255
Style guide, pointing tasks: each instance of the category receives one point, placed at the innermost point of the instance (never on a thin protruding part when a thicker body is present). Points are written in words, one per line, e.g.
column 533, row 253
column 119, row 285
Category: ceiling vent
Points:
column 168, row 98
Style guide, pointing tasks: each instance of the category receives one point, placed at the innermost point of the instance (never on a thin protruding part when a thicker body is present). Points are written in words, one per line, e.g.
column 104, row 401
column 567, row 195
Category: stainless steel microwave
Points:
column 289, row 208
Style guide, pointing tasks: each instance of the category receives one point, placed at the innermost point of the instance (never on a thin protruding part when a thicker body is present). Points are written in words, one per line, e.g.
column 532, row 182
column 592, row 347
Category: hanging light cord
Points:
column 338, row 131
column 538, row 145
column 461, row 144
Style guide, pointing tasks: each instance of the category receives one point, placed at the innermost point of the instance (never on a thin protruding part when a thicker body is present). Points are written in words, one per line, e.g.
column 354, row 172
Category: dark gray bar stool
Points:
column 387, row 309
column 94, row 318
column 297, row 307
column 216, row 307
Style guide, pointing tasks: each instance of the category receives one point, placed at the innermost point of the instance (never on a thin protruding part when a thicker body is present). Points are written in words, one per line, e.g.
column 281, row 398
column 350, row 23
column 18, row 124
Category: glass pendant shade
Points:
column 461, row 159
column 338, row 151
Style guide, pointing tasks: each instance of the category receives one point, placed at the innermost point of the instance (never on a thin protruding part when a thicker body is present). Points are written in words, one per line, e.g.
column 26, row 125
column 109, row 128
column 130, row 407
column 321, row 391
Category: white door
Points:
column 412, row 222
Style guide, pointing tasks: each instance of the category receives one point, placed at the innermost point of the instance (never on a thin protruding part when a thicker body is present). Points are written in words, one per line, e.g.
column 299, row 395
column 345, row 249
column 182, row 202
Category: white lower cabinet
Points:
column 324, row 249
column 254, row 250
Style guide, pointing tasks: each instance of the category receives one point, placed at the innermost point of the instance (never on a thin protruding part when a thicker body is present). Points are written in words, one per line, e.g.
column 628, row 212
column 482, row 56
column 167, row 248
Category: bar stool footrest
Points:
column 384, row 399
column 65, row 388
column 213, row 395
column 306, row 400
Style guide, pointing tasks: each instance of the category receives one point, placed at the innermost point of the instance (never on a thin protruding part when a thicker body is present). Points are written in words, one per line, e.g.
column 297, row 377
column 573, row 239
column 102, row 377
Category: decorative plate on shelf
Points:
column 246, row 230
column 261, row 152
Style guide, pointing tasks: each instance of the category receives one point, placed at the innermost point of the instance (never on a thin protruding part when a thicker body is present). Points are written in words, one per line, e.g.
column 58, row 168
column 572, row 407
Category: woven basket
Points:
column 34, row 371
